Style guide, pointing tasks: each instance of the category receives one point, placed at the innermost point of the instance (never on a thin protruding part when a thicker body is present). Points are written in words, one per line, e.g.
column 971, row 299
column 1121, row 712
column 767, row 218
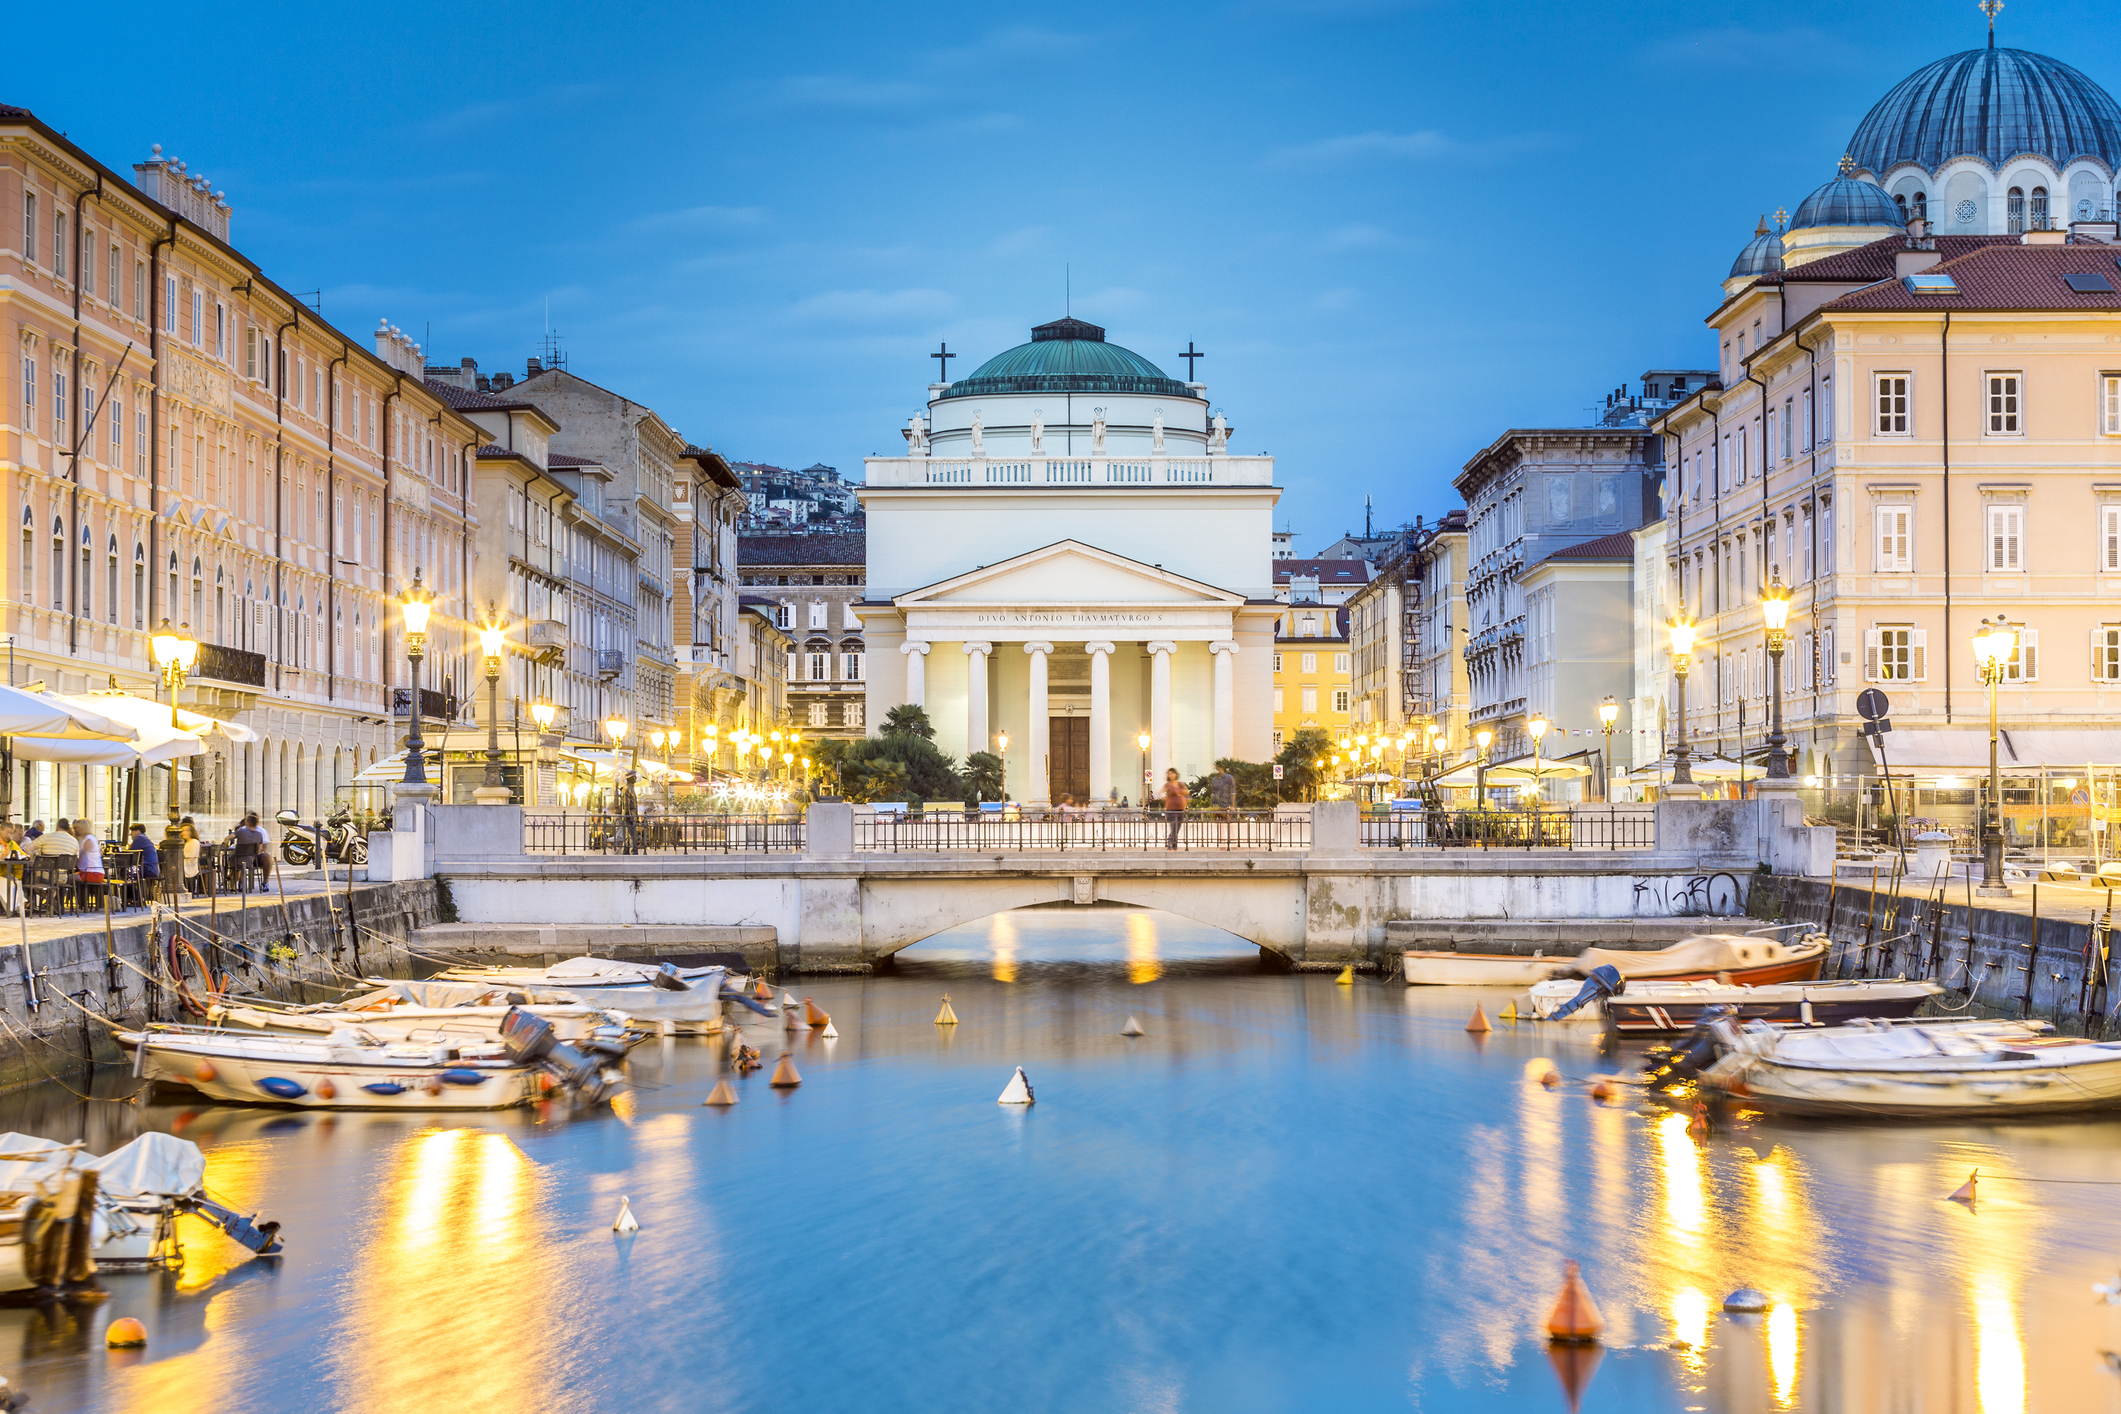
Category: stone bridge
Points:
column 835, row 908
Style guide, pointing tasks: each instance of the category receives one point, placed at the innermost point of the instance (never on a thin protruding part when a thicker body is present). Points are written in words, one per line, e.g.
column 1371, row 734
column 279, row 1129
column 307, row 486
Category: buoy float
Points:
column 1550, row 1079
column 1601, row 1089
column 946, row 1017
column 1964, row 1193
column 1574, row 1319
column 791, row 1019
column 1746, row 1299
column 125, row 1333
column 831, row 1032
column 625, row 1222
column 1509, row 1011
column 1132, row 1028
column 1698, row 1124
column 815, row 1015
column 1018, row 1090
column 205, row 1071
column 1347, row 976
column 784, row 1074
column 1479, row 1021
column 326, row 1090
column 722, row 1094
column 788, row 1001
column 762, row 989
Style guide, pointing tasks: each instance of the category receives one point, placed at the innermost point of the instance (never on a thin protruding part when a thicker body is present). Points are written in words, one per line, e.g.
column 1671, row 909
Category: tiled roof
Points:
column 802, row 550
column 2004, row 276
column 562, row 459
column 1325, row 571
column 10, row 111
column 1620, row 545
column 462, row 398
column 494, row 449
column 1875, row 261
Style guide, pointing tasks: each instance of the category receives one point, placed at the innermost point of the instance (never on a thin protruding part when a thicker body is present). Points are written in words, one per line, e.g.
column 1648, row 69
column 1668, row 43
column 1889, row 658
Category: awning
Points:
column 25, row 713
column 136, row 711
column 2017, row 752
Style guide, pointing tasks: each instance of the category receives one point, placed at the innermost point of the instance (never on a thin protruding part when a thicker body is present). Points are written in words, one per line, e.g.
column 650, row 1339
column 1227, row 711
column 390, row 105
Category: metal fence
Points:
column 952, row 831
column 575, row 833
column 1512, row 829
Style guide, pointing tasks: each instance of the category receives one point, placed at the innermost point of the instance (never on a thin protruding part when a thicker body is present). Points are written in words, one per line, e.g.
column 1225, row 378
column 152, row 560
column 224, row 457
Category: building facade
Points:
column 1405, row 630
column 816, row 581
column 1313, row 673
column 1580, row 650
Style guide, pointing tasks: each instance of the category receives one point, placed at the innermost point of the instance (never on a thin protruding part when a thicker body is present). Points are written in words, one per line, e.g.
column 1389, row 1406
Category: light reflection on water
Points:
column 1288, row 1195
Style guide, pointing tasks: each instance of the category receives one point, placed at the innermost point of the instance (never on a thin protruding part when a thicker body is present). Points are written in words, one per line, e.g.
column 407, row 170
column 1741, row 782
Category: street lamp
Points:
column 1775, row 608
column 1682, row 648
column 1538, row 728
column 1608, row 713
column 416, row 603
column 1001, row 741
column 616, row 727
column 175, row 651
column 1142, row 740
column 1480, row 768
column 491, row 639
column 544, row 714
column 1993, row 648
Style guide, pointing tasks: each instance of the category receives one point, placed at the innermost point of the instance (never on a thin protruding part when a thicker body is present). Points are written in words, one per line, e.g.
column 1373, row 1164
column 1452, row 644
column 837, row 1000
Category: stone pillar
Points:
column 976, row 737
column 1159, row 712
column 916, row 673
column 1224, row 651
column 1100, row 720
column 1038, row 787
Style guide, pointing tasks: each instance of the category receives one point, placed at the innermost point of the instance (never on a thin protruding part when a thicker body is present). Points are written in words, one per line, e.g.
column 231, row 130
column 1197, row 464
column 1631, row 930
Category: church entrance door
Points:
column 1068, row 755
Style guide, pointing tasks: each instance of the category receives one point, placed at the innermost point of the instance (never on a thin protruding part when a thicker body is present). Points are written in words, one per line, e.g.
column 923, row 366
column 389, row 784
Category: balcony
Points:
column 232, row 665
column 1040, row 470
column 439, row 706
column 611, row 663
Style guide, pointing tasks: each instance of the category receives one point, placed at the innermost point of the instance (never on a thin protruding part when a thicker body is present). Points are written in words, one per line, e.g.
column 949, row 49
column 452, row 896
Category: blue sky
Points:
column 1397, row 229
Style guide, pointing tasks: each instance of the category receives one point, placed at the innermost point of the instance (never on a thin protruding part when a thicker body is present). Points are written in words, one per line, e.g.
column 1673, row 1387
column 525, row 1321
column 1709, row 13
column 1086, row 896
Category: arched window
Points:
column 87, row 610
column 29, row 556
column 2014, row 211
column 1901, row 202
column 220, row 605
column 139, row 585
column 58, row 563
column 110, row 586
column 197, row 622
column 2039, row 211
column 1922, row 206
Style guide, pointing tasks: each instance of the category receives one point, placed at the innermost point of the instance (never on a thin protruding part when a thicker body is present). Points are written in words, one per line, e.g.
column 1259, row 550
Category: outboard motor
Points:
column 669, row 981
column 1692, row 1053
column 1604, row 981
column 738, row 994
column 261, row 1238
column 530, row 1040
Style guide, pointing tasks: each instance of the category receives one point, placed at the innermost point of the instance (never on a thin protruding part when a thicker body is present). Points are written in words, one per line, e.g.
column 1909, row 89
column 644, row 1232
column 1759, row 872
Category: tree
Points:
column 1301, row 775
column 908, row 719
column 900, row 766
column 983, row 777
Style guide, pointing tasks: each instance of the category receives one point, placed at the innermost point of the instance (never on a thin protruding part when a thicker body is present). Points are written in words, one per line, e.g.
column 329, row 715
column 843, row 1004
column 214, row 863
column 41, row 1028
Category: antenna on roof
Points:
column 1067, row 292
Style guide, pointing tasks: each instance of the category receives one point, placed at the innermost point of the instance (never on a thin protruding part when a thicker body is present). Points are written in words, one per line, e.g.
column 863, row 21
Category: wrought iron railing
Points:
column 622, row 833
column 1618, row 828
column 1095, row 831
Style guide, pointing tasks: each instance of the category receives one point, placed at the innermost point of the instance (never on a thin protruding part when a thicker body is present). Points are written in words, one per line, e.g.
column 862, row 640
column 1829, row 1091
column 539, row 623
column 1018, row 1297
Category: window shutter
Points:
column 2110, row 537
column 1870, row 655
column 2029, row 654
column 1918, row 643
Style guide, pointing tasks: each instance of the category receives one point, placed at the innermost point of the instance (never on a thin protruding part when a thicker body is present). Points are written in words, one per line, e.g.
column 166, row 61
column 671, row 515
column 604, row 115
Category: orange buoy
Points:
column 205, row 1071
column 815, row 1014
column 326, row 1090
column 433, row 1085
column 1601, row 1089
column 125, row 1333
column 784, row 1075
column 722, row 1094
column 1550, row 1079
column 1698, row 1124
column 1480, row 1020
column 1574, row 1319
column 1964, row 1193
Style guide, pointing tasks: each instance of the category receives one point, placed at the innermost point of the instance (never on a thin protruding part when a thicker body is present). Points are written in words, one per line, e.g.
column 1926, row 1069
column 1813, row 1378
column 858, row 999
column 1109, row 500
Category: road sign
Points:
column 1875, row 729
column 1871, row 704
column 1277, row 773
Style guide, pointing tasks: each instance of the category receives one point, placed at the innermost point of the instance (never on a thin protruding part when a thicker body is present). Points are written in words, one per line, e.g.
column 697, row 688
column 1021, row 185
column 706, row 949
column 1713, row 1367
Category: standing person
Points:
column 1174, row 803
column 1222, row 794
column 188, row 831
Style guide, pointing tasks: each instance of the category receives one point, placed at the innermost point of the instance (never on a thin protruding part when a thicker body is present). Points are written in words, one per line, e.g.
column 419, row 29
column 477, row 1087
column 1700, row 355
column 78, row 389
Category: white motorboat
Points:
column 1916, row 1069
column 1746, row 959
column 404, row 1021
column 1479, row 969
column 1663, row 1008
column 139, row 1189
column 357, row 1068
column 686, row 1000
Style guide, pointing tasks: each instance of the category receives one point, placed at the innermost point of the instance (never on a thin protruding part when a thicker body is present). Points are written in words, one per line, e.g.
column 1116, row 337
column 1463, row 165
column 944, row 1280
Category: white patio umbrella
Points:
column 138, row 711
column 44, row 714
column 153, row 741
column 1523, row 769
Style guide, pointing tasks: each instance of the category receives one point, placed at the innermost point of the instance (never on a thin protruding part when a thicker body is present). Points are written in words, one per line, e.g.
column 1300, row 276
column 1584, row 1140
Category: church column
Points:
column 1100, row 720
column 1224, row 651
column 916, row 672
column 1038, row 786
column 1159, row 713
column 976, row 698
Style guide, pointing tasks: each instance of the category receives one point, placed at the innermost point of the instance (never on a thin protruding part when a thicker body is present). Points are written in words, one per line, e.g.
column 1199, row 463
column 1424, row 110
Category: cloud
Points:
column 1427, row 145
column 698, row 218
column 1361, row 237
column 872, row 306
column 822, row 91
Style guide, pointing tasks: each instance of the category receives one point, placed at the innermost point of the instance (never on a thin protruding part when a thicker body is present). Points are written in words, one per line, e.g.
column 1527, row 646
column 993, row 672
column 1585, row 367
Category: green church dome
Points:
column 1068, row 356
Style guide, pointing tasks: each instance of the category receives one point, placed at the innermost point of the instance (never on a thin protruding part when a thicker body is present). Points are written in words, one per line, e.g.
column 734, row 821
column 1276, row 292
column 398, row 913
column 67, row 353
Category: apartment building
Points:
column 814, row 582
column 1406, row 627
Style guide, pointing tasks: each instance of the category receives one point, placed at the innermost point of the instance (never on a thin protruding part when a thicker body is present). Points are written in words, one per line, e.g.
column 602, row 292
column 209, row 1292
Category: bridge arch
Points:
column 897, row 913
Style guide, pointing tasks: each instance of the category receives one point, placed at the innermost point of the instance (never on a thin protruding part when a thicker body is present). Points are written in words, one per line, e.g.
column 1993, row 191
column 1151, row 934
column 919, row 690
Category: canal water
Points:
column 1288, row 1195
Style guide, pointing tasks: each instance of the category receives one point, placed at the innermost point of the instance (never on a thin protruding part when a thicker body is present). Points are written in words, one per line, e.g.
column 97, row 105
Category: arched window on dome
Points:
column 1901, row 202
column 2014, row 211
column 1922, row 206
column 2039, row 209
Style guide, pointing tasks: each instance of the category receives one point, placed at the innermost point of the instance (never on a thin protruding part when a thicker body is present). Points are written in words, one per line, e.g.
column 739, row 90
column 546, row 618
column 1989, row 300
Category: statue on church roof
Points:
column 1219, row 435
column 1038, row 429
column 1156, row 431
column 979, row 435
column 1097, row 434
column 917, row 436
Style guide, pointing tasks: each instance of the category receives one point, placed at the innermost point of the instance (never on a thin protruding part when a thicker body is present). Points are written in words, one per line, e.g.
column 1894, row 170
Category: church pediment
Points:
column 1070, row 573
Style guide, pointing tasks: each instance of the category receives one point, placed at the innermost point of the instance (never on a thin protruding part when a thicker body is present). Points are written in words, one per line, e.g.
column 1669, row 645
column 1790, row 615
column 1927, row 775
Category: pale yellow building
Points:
column 1313, row 672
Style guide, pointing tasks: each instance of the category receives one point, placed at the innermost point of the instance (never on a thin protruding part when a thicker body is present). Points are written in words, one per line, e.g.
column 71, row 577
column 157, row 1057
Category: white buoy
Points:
column 625, row 1223
column 1132, row 1028
column 831, row 1032
column 1746, row 1300
column 1018, row 1090
column 788, row 1001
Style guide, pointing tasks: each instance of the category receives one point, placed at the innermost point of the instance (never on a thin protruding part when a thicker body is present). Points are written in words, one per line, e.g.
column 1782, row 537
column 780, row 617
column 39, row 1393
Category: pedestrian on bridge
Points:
column 1174, row 803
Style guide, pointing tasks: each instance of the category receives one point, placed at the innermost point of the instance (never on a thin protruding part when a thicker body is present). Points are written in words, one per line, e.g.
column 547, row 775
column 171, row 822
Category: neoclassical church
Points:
column 1068, row 560
column 1988, row 142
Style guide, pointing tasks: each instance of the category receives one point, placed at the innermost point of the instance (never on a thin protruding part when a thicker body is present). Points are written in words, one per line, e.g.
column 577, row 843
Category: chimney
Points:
column 533, row 368
column 2044, row 238
column 1913, row 259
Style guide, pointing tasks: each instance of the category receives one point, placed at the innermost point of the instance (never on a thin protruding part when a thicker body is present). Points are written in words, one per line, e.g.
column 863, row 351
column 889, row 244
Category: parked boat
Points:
column 687, row 999
column 1747, row 959
column 1916, row 1069
column 571, row 1021
column 1666, row 1008
column 355, row 1067
column 139, row 1189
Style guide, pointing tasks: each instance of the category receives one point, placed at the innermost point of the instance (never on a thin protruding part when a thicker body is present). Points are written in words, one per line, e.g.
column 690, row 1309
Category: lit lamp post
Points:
column 1480, row 769
column 1775, row 608
column 416, row 603
column 175, row 651
column 1143, row 741
column 1001, row 740
column 1682, row 649
column 1538, row 728
column 544, row 714
column 615, row 727
column 491, row 636
column 1608, row 713
column 1993, row 648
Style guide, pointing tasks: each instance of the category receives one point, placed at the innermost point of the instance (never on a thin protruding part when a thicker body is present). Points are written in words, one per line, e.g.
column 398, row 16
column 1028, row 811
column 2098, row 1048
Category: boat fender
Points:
column 283, row 1089
column 204, row 1072
column 326, row 1090
column 1604, row 981
column 384, row 1087
column 464, row 1077
column 433, row 1086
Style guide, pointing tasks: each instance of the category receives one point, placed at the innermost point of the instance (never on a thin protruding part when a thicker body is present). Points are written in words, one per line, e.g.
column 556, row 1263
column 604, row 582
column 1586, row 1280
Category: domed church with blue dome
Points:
column 1991, row 141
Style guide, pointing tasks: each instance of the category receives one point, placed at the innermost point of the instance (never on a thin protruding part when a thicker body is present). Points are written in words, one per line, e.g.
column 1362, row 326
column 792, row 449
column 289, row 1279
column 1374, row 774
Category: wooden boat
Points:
column 683, row 1000
column 1747, row 959
column 139, row 1189
column 1665, row 1008
column 356, row 1068
column 1917, row 1070
column 571, row 1021
column 47, row 1220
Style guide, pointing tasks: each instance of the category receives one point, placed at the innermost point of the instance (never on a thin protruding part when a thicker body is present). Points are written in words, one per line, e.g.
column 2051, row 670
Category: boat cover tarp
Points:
column 18, row 1169
column 154, row 1165
column 1704, row 952
column 613, row 970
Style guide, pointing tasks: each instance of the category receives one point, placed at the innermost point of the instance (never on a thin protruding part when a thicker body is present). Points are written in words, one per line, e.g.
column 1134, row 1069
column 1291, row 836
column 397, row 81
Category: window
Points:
column 2006, row 538
column 1340, row 662
column 2110, row 404
column 1310, row 699
column 851, row 715
column 114, row 414
column 817, row 613
column 59, row 245
column 818, row 671
column 1277, row 662
column 1892, row 405
column 169, row 304
column 250, row 353
column 29, row 385
column 29, row 556
column 140, row 434
column 782, row 613
column 1895, row 539
column 817, row 714
column 1789, row 422
column 2014, row 211
column 139, row 286
column 198, row 318
column 2003, row 405
column 2024, row 664
column 2110, row 538
column 110, row 586
column 111, row 291
column 1310, row 664
column 29, row 226
column 2106, row 653
column 851, row 667
column 58, row 563
column 88, row 260
column 1277, row 699
column 139, row 585
column 1894, row 653
column 1340, row 700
